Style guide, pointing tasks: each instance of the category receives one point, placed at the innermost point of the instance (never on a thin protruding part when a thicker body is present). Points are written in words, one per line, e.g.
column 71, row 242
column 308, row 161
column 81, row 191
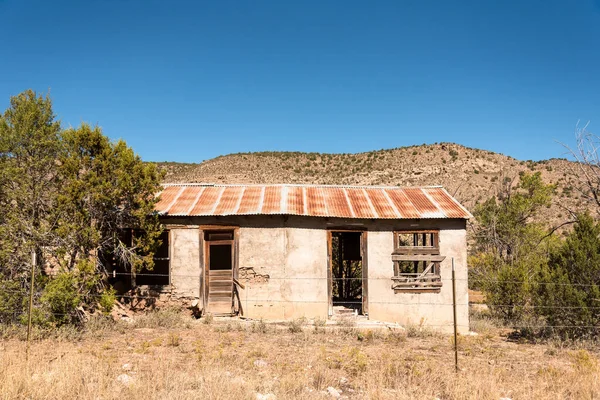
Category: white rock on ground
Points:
column 260, row 363
column 125, row 379
column 127, row 367
column 333, row 392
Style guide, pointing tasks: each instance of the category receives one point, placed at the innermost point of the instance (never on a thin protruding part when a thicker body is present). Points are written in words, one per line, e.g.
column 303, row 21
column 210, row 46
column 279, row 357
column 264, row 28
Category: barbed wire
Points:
column 468, row 279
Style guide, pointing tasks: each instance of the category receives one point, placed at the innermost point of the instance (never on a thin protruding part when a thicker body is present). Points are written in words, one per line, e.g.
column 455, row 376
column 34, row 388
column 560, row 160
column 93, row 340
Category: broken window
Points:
column 159, row 275
column 416, row 259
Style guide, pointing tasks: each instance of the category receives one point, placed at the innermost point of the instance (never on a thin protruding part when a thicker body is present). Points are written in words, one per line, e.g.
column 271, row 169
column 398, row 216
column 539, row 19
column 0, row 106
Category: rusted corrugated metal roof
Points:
column 370, row 202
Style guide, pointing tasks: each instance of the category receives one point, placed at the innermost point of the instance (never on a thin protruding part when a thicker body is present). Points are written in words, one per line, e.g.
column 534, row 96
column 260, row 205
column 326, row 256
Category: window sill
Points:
column 415, row 283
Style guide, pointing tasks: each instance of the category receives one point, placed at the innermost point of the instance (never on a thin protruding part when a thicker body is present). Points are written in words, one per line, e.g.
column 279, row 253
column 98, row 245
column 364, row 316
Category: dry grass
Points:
column 238, row 359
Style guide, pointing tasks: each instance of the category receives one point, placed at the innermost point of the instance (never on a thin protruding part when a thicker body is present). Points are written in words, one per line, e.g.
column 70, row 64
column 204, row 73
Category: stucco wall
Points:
column 292, row 252
column 428, row 308
column 185, row 261
column 293, row 260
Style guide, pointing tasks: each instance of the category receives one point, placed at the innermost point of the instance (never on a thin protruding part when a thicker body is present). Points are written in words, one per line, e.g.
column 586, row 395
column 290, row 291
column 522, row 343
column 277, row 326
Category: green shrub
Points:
column 61, row 298
column 12, row 296
column 107, row 300
column 569, row 289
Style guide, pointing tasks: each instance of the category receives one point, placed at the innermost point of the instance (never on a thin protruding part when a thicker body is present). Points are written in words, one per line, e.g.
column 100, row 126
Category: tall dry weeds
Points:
column 228, row 360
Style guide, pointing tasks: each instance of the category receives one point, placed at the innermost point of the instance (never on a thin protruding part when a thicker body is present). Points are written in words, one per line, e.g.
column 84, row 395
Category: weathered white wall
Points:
column 428, row 308
column 293, row 260
column 185, row 261
column 292, row 251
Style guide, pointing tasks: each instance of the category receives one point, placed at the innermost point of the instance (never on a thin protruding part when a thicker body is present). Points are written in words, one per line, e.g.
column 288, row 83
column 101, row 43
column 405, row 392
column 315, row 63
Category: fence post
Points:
column 33, row 261
column 454, row 312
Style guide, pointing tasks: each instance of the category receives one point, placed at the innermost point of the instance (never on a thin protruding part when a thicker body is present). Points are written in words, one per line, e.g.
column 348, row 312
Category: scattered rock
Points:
column 343, row 381
column 260, row 363
column 127, row 367
column 125, row 380
column 333, row 392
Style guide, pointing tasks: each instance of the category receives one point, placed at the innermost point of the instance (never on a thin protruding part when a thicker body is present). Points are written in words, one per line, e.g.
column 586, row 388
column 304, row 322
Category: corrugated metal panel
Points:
column 229, row 200
column 337, row 203
column 424, row 206
column 451, row 207
column 250, row 200
column 185, row 200
column 315, row 202
column 295, row 200
column 310, row 200
column 272, row 200
column 207, row 201
column 360, row 203
column 382, row 205
column 167, row 197
column 406, row 209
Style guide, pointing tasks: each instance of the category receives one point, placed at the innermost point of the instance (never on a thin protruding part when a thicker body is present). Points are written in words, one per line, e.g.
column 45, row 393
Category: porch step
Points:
column 341, row 310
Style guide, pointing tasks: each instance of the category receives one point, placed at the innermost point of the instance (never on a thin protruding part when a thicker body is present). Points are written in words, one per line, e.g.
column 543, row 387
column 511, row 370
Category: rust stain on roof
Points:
column 451, row 207
column 310, row 200
column 229, row 201
column 185, row 200
column 360, row 204
column 207, row 201
column 295, row 200
column 402, row 203
column 250, row 201
column 422, row 203
column 315, row 202
column 272, row 201
column 382, row 206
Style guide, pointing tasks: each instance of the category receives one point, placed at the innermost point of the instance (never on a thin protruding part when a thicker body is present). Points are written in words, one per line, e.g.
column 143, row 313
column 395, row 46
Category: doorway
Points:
column 347, row 275
column 219, row 269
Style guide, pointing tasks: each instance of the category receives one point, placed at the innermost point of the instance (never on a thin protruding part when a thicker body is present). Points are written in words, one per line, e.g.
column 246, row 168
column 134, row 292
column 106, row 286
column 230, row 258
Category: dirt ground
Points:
column 170, row 358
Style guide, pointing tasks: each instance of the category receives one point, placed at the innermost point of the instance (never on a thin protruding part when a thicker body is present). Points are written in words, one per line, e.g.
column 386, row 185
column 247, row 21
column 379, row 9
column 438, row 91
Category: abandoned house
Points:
column 290, row 251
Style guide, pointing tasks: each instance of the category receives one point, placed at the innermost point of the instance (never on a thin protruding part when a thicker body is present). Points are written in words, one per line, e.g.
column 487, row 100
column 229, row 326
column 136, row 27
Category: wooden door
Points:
column 219, row 285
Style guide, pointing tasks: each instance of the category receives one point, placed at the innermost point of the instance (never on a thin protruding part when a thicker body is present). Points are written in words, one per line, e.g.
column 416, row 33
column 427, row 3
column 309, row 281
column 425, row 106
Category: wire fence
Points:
column 258, row 292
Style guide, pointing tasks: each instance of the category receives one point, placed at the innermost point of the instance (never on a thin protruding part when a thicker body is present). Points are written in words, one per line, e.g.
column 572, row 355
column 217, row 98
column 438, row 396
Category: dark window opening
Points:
column 346, row 270
column 159, row 275
column 220, row 257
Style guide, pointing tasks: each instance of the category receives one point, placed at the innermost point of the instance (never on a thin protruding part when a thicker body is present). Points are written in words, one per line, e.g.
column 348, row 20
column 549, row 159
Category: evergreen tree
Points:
column 568, row 295
column 66, row 195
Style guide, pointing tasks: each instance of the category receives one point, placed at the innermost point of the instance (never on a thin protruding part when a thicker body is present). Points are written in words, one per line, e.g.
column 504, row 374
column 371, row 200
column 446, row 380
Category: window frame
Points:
column 425, row 257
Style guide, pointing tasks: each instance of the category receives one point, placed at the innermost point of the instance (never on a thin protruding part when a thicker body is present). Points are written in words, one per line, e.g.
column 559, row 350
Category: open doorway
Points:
column 347, row 278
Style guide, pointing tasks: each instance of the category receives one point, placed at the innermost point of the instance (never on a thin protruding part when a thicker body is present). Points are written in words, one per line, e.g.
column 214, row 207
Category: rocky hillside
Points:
column 469, row 174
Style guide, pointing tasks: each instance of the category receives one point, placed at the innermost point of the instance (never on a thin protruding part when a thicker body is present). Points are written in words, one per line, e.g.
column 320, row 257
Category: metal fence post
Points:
column 454, row 312
column 33, row 260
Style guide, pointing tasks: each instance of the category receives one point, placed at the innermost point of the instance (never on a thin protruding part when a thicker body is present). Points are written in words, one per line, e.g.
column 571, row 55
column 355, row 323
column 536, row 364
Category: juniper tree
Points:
column 66, row 195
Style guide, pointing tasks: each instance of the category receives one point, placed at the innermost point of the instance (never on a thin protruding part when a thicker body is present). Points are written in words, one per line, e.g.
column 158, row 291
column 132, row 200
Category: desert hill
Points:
column 469, row 174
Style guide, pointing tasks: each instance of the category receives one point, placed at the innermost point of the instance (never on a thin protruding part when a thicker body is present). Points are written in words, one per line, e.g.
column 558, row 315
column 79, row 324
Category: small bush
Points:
column 107, row 300
column 61, row 298
column 173, row 340
column 259, row 326
column 319, row 323
column 208, row 319
column 295, row 326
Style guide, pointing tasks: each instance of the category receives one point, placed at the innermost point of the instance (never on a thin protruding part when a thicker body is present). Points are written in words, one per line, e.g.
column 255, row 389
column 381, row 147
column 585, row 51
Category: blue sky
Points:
column 187, row 81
